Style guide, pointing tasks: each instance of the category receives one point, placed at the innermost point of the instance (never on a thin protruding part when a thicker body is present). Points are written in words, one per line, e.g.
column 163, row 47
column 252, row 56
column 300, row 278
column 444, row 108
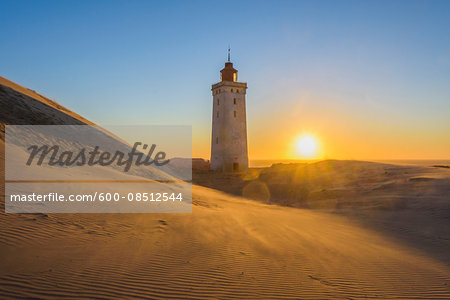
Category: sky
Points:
column 366, row 79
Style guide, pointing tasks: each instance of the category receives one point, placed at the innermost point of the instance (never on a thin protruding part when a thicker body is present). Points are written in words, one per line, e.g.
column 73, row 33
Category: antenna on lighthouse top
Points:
column 228, row 53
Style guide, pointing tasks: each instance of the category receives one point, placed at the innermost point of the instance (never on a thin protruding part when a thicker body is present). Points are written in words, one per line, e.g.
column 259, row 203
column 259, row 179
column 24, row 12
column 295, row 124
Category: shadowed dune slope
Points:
column 20, row 105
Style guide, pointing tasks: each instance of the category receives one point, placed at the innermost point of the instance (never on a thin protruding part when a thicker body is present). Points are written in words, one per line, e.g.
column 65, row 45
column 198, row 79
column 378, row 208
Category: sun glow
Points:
column 307, row 146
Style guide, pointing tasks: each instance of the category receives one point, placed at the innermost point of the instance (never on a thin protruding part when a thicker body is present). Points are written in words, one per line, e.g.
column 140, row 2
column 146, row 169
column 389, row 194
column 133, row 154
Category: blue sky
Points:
column 380, row 69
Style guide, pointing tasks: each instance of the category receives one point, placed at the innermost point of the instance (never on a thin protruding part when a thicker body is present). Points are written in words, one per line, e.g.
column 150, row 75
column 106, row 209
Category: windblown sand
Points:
column 228, row 247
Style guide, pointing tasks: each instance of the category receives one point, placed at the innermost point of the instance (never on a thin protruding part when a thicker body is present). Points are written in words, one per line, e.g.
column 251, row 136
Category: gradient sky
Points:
column 369, row 79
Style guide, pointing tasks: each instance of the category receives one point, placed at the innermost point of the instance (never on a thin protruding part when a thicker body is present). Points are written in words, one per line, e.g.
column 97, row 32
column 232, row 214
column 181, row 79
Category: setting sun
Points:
column 306, row 146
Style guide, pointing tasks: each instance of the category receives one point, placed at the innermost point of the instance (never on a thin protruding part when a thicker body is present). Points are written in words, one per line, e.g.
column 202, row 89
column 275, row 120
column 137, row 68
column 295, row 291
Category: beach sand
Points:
column 229, row 247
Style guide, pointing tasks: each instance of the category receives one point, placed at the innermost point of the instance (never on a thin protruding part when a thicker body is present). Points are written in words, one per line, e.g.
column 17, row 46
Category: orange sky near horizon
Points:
column 365, row 133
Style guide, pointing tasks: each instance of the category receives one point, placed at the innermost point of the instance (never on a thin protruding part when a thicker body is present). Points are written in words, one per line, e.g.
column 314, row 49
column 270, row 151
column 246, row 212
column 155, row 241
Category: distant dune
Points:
column 354, row 184
column 357, row 230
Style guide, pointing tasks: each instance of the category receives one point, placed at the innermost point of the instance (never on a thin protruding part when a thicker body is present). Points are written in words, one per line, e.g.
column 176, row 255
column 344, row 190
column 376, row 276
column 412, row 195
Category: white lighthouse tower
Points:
column 229, row 125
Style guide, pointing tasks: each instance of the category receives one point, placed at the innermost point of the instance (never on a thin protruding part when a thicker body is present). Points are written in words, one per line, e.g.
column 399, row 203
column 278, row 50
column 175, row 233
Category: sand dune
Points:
column 228, row 247
column 409, row 203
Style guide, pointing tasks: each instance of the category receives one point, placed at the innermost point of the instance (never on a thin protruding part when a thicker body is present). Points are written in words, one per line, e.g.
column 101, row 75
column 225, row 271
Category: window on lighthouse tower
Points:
column 234, row 76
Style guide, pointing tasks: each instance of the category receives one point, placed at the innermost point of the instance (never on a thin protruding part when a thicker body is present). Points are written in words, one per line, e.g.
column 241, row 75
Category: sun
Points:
column 306, row 146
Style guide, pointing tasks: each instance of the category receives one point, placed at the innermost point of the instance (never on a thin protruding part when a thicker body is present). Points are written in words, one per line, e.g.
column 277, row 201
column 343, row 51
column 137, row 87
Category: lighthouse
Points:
column 229, row 125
